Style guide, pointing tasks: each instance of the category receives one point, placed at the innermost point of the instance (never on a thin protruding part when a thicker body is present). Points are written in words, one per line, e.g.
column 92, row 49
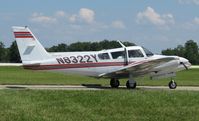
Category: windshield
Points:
column 148, row 53
column 135, row 54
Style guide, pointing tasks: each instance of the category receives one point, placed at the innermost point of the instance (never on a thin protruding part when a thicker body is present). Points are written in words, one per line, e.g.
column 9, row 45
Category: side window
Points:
column 135, row 54
column 103, row 56
column 118, row 55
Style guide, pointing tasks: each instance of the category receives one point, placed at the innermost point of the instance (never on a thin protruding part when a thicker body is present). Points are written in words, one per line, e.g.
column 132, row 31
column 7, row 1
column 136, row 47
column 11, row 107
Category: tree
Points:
column 2, row 51
column 179, row 51
column 95, row 46
column 129, row 43
column 59, row 48
column 191, row 51
column 14, row 56
column 106, row 44
column 168, row 51
column 88, row 46
column 80, row 46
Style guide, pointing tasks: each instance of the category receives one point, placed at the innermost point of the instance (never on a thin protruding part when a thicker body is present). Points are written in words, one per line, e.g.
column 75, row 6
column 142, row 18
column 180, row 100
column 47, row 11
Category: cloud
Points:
column 40, row 18
column 196, row 20
column 151, row 16
column 60, row 13
column 73, row 18
column 83, row 19
column 118, row 24
column 84, row 15
column 196, row 2
column 87, row 15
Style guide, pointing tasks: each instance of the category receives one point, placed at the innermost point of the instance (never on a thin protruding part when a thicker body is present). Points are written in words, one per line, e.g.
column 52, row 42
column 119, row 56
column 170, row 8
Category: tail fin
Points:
column 29, row 47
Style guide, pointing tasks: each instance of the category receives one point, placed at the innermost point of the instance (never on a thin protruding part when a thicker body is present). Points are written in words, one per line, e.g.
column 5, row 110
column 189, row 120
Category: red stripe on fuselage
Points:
column 80, row 65
column 68, row 66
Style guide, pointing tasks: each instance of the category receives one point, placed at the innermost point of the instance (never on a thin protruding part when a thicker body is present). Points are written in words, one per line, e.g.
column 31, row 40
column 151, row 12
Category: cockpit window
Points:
column 135, row 54
column 118, row 55
column 148, row 53
column 103, row 56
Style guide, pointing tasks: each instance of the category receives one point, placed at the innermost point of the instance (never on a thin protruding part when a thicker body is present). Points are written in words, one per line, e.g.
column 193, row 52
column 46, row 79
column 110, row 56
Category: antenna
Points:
column 121, row 44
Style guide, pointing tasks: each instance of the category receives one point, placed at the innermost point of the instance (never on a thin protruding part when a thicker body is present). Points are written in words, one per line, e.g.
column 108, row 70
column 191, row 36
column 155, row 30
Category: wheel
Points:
column 131, row 85
column 172, row 84
column 114, row 83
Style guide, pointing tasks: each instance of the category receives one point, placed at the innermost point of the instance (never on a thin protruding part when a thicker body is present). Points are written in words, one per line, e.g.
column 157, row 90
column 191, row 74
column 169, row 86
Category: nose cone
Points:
column 183, row 59
column 184, row 62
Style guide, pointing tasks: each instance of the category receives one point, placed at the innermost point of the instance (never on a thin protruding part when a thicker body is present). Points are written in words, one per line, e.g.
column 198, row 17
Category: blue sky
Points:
column 155, row 24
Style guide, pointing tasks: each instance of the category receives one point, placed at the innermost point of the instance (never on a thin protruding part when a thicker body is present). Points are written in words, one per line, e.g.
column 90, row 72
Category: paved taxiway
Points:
column 91, row 87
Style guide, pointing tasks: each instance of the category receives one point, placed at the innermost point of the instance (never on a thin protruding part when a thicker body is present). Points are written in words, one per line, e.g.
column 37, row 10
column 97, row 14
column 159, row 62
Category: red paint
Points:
column 23, row 35
column 80, row 65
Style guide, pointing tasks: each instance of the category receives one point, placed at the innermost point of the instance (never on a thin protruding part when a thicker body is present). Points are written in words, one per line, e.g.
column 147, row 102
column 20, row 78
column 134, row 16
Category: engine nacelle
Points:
column 160, row 75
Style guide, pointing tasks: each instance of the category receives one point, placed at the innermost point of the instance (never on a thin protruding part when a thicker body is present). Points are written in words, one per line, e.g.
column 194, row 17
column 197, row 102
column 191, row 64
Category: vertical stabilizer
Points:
column 29, row 47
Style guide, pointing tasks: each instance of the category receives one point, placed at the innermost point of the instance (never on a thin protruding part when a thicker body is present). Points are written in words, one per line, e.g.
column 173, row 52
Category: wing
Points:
column 138, row 68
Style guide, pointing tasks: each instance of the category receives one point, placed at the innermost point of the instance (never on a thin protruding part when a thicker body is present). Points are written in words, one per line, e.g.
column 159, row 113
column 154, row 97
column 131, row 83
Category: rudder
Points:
column 30, row 48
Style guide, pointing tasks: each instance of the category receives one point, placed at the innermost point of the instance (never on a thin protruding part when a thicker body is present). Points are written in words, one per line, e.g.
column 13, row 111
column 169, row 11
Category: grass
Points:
column 188, row 78
column 17, row 75
column 108, row 105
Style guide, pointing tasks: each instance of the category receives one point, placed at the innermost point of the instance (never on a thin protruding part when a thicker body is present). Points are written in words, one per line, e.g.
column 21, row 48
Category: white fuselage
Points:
column 116, row 63
column 94, row 63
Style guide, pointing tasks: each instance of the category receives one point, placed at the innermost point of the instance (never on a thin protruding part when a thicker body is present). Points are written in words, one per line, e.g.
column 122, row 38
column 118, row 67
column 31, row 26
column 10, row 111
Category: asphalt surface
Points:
column 90, row 87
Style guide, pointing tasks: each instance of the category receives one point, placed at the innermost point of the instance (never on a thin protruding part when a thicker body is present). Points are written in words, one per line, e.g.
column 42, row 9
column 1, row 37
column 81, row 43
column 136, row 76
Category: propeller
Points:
column 184, row 65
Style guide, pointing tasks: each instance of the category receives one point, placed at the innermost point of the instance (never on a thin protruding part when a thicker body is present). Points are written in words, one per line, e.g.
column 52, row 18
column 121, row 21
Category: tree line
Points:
column 11, row 54
column 189, row 50
column 87, row 46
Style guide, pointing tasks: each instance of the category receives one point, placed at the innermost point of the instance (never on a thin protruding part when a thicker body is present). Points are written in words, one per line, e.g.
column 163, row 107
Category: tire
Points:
column 172, row 85
column 114, row 83
column 131, row 86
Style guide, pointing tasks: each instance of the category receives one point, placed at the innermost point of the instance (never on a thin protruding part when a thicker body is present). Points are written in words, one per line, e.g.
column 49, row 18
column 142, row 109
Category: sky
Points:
column 154, row 24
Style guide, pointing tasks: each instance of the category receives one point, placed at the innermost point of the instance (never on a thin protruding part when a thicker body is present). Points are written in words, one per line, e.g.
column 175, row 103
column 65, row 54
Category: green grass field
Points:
column 17, row 75
column 108, row 105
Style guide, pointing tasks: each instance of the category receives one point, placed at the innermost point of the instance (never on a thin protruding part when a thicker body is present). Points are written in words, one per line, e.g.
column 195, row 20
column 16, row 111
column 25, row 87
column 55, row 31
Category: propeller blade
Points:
column 184, row 65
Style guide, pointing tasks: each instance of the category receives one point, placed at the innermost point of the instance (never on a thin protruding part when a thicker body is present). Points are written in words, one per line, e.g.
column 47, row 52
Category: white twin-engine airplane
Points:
column 124, row 62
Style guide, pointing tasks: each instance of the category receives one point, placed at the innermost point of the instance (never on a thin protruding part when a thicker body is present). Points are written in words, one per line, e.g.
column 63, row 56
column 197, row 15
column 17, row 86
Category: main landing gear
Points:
column 172, row 84
column 114, row 83
column 130, row 84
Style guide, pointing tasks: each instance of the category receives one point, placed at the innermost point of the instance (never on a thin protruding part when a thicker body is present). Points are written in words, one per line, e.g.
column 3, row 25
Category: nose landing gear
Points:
column 172, row 84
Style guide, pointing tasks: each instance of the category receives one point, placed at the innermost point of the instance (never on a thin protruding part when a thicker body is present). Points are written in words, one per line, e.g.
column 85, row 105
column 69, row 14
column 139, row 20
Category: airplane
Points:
column 125, row 62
